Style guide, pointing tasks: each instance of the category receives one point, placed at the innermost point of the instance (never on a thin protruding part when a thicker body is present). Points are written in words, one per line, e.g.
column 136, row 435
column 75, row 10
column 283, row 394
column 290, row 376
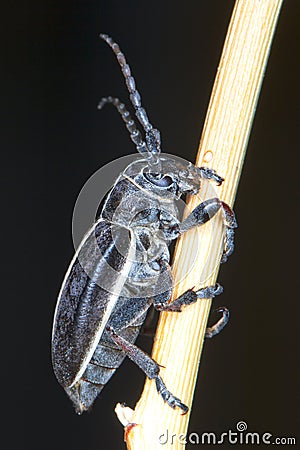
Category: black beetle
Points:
column 122, row 265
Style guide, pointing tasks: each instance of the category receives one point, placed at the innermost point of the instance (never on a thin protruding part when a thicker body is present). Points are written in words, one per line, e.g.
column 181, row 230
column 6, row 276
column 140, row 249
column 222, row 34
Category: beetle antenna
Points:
column 135, row 134
column 152, row 134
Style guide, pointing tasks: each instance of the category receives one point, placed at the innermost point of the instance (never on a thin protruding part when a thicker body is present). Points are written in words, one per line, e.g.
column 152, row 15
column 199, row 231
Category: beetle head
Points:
column 175, row 177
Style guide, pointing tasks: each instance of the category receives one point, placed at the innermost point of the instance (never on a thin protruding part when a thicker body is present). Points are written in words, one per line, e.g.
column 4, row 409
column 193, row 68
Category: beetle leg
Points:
column 160, row 301
column 230, row 224
column 206, row 211
column 217, row 327
column 209, row 174
column 149, row 367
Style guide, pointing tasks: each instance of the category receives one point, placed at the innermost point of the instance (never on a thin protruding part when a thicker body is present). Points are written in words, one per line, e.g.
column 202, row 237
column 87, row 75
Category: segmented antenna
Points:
column 135, row 134
column 152, row 134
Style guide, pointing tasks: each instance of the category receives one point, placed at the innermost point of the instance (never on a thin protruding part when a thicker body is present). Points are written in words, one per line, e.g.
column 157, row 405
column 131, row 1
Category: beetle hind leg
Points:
column 149, row 367
column 168, row 397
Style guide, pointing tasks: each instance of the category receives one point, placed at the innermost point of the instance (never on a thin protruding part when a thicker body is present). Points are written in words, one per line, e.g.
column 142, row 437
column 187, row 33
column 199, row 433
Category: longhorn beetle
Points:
column 96, row 327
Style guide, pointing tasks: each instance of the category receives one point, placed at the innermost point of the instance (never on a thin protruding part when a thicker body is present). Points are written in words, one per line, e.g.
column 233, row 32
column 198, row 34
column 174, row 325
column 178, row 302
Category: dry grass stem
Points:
column 179, row 337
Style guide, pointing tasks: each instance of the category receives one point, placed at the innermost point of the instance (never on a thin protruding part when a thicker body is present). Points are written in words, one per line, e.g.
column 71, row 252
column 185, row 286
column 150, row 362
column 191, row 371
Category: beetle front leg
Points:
column 230, row 224
column 206, row 211
column 209, row 174
column 149, row 367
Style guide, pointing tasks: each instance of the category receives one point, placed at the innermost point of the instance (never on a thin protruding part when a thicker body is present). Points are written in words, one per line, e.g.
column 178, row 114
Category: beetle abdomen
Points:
column 106, row 359
column 89, row 292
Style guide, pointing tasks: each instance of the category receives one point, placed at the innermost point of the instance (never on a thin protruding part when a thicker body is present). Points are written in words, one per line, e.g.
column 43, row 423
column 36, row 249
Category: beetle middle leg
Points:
column 217, row 327
column 149, row 367
column 161, row 301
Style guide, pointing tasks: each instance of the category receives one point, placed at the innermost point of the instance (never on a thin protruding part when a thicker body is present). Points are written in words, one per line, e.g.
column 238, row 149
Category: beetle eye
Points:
column 163, row 182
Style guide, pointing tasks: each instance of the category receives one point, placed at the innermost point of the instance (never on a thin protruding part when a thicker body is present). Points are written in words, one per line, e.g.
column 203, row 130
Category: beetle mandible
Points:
column 96, row 327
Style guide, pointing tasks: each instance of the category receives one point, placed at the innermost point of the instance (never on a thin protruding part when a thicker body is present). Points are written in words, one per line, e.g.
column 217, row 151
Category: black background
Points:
column 54, row 71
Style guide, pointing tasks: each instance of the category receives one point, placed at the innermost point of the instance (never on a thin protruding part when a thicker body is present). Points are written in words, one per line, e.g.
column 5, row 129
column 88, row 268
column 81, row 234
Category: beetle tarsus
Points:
column 210, row 291
column 210, row 174
column 168, row 397
column 215, row 329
